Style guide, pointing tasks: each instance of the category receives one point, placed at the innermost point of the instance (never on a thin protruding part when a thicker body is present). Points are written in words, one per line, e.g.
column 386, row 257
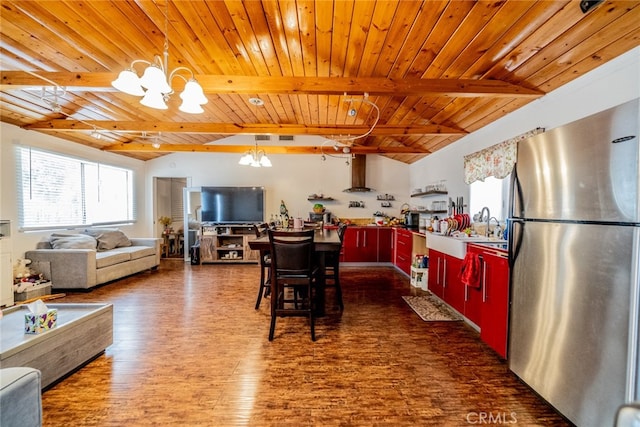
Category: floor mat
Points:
column 430, row 309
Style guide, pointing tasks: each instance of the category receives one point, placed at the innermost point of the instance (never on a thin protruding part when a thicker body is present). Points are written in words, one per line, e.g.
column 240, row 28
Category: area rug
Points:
column 430, row 309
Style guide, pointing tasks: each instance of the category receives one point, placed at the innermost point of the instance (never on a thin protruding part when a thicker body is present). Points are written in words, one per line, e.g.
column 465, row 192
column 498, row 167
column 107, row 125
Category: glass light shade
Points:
column 190, row 107
column 246, row 159
column 193, row 93
column 154, row 99
column 154, row 79
column 128, row 82
column 265, row 162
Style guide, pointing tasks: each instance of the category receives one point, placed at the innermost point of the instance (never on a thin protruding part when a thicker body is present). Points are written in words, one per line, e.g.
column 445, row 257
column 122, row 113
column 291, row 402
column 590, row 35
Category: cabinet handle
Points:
column 444, row 274
column 357, row 239
column 484, row 279
column 364, row 239
column 438, row 271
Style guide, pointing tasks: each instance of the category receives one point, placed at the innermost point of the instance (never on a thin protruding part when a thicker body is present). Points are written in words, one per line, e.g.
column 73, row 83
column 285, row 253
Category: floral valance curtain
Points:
column 497, row 160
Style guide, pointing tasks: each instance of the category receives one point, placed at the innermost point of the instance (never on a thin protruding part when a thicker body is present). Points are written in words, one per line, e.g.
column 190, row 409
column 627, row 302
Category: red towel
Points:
column 470, row 272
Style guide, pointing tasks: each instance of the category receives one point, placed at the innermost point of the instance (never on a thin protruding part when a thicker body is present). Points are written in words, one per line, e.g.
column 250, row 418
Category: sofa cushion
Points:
column 72, row 241
column 108, row 238
column 112, row 257
column 138, row 251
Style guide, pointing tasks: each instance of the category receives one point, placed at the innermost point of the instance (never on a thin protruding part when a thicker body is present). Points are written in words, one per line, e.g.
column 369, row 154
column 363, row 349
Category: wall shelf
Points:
column 326, row 199
column 430, row 193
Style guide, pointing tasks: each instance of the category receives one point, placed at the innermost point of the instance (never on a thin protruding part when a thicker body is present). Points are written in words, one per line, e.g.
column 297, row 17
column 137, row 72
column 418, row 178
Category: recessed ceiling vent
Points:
column 263, row 137
column 358, row 175
column 285, row 138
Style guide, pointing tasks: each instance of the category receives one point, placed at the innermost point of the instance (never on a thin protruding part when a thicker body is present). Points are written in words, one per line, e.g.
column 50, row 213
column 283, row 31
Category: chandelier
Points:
column 157, row 79
column 256, row 158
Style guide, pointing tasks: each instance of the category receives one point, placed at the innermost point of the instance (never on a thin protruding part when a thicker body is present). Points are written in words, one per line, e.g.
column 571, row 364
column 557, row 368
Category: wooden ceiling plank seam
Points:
column 281, row 50
column 342, row 17
column 242, row 24
column 487, row 39
column 14, row 56
column 140, row 38
column 323, row 30
column 73, row 27
column 564, row 19
column 232, row 37
column 376, row 36
column 357, row 36
column 473, row 22
column 401, row 25
column 535, row 16
column 628, row 23
column 568, row 40
column 223, row 38
column 292, row 33
column 628, row 41
column 450, row 18
column 417, row 37
column 208, row 47
column 263, row 32
column 307, row 25
column 39, row 40
column 55, row 32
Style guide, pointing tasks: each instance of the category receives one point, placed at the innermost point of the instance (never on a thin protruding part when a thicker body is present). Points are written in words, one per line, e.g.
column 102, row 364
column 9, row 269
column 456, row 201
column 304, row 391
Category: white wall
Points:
column 12, row 135
column 609, row 85
column 292, row 178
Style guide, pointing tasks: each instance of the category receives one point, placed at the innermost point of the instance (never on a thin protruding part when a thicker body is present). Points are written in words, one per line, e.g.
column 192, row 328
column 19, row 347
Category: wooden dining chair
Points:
column 293, row 276
column 265, row 265
column 332, row 267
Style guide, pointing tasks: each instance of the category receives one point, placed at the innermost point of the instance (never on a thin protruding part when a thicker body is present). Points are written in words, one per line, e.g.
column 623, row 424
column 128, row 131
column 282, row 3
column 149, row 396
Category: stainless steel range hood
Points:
column 358, row 174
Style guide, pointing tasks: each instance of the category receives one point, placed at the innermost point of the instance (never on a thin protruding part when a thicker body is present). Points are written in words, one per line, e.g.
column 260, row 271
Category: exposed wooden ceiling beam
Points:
column 286, row 85
column 213, row 148
column 244, row 128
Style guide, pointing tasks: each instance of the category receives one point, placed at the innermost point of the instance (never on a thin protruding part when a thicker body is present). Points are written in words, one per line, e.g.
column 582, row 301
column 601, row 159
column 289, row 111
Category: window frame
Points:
column 25, row 191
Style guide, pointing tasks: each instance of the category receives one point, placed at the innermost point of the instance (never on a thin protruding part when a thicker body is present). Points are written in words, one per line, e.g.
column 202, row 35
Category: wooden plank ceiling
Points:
column 436, row 70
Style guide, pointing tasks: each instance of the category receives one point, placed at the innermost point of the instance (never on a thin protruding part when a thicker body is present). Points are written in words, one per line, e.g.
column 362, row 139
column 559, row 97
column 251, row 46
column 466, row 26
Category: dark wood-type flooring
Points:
column 190, row 350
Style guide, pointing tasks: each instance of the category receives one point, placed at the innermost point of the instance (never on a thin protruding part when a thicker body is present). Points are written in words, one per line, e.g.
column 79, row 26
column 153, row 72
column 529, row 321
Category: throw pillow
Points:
column 111, row 240
column 72, row 241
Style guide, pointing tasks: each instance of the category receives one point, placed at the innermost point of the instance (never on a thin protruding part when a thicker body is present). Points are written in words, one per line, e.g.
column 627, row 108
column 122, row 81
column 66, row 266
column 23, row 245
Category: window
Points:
column 492, row 193
column 56, row 191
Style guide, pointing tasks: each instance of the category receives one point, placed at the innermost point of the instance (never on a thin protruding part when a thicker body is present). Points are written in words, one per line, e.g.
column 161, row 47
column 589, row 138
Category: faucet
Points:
column 489, row 222
column 486, row 233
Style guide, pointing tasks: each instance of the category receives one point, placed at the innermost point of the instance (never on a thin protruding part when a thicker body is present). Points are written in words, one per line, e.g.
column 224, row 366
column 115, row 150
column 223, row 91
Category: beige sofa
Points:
column 94, row 256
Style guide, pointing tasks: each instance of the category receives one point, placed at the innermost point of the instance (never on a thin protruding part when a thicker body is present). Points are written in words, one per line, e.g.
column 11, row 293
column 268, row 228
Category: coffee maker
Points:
column 412, row 220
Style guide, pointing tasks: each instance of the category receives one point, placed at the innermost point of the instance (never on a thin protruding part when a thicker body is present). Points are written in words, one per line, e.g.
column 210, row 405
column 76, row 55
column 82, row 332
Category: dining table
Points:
column 324, row 241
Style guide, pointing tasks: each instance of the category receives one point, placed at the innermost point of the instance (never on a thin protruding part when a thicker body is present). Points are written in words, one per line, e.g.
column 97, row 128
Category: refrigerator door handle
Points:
column 516, row 191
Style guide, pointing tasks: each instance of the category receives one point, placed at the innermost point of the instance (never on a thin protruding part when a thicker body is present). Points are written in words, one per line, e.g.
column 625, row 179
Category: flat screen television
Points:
column 232, row 204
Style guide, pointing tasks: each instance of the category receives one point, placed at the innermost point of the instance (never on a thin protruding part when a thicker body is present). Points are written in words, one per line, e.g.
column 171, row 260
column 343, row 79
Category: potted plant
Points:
column 166, row 222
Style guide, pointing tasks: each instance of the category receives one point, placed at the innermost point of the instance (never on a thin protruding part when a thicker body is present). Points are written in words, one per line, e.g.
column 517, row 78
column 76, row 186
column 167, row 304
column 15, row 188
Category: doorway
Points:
column 169, row 203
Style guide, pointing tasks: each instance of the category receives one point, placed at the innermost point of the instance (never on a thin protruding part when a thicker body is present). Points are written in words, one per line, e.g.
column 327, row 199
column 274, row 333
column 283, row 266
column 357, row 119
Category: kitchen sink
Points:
column 457, row 246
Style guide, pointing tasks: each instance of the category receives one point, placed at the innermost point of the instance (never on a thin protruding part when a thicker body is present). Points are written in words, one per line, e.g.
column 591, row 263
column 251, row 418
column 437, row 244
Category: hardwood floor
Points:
column 190, row 350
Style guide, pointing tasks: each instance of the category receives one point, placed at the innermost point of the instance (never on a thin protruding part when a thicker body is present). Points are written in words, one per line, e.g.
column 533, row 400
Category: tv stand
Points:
column 227, row 243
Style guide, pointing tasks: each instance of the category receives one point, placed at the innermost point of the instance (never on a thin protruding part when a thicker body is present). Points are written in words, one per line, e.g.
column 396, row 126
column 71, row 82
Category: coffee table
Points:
column 83, row 332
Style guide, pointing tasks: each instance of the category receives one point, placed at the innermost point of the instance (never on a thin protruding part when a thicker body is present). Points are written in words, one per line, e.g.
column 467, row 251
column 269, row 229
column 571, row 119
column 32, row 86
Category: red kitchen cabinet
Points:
column 453, row 287
column 436, row 273
column 444, row 279
column 473, row 297
column 495, row 300
column 360, row 244
column 403, row 246
column 384, row 244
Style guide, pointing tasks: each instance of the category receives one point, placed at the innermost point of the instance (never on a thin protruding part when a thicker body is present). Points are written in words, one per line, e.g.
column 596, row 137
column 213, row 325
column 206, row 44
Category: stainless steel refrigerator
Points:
column 575, row 276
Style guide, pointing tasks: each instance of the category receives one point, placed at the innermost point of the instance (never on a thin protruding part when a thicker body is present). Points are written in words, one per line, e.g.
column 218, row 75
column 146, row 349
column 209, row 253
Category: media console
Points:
column 227, row 243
